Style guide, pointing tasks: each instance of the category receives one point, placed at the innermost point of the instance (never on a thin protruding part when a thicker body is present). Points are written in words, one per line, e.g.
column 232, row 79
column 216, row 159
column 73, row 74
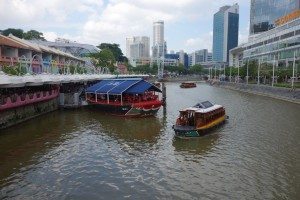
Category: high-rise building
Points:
column 225, row 32
column 138, row 47
column 264, row 13
column 159, row 48
column 199, row 57
column 209, row 57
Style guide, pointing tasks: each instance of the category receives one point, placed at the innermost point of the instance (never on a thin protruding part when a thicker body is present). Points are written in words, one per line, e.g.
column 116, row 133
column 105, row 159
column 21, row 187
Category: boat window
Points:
column 207, row 104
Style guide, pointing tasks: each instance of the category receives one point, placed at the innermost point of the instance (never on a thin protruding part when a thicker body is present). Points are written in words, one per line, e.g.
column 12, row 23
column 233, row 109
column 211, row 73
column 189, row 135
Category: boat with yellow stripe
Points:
column 197, row 120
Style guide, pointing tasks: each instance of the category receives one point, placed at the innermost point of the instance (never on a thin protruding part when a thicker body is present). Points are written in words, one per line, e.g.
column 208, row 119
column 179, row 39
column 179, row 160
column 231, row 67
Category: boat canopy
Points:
column 122, row 86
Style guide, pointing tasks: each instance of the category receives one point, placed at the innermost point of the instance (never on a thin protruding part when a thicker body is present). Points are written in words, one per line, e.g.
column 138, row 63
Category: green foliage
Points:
column 33, row 34
column 196, row 69
column 14, row 70
column 115, row 49
column 29, row 35
column 145, row 69
column 16, row 32
column 104, row 58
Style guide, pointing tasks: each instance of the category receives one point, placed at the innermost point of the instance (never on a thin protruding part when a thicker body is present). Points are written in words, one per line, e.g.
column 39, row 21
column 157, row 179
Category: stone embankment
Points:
column 287, row 94
column 20, row 114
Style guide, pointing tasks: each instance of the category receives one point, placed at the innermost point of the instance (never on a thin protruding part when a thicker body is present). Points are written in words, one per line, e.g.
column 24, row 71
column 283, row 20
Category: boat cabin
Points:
column 200, row 115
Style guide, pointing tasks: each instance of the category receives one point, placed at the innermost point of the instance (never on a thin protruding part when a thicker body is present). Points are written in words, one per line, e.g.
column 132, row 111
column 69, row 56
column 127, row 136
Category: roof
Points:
column 10, row 42
column 203, row 107
column 16, row 42
column 122, row 86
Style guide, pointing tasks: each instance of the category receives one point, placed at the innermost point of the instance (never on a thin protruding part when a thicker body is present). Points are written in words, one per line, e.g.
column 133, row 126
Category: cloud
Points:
column 204, row 41
column 96, row 21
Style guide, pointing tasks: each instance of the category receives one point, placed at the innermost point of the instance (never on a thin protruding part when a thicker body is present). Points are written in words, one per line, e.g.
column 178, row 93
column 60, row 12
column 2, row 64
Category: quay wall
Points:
column 20, row 114
column 287, row 94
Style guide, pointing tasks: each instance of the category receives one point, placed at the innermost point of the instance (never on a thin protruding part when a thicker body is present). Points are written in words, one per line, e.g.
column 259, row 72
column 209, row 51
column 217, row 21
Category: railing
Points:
column 15, row 100
column 8, row 59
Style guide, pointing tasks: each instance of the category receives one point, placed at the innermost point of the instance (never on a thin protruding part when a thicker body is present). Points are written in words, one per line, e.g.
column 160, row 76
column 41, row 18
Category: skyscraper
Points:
column 159, row 45
column 225, row 32
column 264, row 13
column 138, row 47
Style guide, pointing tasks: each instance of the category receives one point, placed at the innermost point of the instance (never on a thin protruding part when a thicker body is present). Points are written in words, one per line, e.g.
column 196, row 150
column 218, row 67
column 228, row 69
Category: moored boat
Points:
column 199, row 119
column 125, row 97
column 188, row 85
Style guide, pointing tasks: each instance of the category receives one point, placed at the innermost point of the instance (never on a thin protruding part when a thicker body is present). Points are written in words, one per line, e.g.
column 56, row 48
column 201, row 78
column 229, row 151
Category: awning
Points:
column 122, row 86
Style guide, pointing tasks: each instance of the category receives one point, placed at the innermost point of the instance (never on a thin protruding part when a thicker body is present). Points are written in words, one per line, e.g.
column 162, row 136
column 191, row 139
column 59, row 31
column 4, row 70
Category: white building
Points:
column 138, row 47
column 280, row 45
column 200, row 56
column 181, row 57
column 159, row 45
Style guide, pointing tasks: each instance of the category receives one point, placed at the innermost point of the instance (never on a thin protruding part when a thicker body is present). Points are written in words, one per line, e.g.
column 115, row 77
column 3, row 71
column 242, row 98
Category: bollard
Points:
column 164, row 94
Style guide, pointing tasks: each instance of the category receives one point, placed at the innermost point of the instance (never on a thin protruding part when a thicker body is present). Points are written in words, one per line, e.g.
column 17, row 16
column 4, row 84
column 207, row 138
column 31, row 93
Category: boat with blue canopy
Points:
column 125, row 97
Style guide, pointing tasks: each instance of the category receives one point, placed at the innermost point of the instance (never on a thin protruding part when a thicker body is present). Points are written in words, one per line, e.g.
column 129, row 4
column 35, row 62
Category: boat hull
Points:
column 129, row 110
column 192, row 131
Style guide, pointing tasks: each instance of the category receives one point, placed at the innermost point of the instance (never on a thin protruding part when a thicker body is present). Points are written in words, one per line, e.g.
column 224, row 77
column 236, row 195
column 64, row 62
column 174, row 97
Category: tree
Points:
column 104, row 58
column 16, row 32
column 33, row 34
column 196, row 69
column 115, row 49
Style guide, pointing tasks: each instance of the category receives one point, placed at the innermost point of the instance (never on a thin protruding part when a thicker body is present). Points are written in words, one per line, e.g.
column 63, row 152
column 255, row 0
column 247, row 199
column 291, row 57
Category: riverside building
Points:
column 138, row 50
column 225, row 32
column 280, row 45
column 264, row 13
column 34, row 57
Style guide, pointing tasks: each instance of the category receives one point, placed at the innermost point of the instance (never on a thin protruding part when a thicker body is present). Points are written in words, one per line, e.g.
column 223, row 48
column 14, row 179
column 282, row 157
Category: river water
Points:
column 83, row 154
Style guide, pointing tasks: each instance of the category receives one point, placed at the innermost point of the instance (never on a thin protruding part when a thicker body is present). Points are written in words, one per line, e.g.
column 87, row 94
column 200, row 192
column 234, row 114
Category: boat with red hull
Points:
column 188, row 85
column 125, row 97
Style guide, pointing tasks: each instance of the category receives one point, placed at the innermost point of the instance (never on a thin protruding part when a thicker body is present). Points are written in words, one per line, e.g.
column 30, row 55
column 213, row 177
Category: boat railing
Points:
column 125, row 99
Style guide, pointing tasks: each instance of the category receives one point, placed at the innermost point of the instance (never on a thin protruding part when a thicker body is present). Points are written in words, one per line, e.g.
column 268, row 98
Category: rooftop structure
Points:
column 76, row 49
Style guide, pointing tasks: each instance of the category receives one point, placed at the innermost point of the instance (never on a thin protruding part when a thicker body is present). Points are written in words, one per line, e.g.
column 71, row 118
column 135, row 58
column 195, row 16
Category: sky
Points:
column 188, row 23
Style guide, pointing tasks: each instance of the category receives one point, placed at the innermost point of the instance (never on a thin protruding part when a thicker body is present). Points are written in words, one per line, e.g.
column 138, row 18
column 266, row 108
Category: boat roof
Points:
column 203, row 107
column 122, row 86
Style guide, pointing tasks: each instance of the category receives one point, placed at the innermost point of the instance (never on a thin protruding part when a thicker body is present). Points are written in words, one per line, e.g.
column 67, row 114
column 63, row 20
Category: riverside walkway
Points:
column 7, row 81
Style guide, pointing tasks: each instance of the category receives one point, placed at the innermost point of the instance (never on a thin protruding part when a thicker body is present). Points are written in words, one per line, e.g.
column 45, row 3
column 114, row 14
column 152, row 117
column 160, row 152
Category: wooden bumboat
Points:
column 125, row 97
column 188, row 85
column 198, row 120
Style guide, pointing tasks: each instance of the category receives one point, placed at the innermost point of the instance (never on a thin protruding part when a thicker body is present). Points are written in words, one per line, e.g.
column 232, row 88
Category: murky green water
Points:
column 83, row 154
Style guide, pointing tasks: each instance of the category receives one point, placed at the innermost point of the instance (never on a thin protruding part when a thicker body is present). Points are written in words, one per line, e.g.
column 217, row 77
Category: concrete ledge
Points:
column 284, row 94
column 17, row 115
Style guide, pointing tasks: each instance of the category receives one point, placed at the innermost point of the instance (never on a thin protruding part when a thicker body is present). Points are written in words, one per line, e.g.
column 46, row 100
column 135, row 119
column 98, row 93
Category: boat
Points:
column 198, row 120
column 188, row 85
column 133, row 97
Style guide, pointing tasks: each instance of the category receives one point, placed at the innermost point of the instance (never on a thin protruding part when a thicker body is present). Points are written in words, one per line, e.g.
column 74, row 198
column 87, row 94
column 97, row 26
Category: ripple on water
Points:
column 89, row 155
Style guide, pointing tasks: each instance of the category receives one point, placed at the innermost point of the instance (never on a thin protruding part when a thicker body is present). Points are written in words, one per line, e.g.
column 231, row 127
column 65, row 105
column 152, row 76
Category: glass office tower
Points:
column 264, row 13
column 225, row 32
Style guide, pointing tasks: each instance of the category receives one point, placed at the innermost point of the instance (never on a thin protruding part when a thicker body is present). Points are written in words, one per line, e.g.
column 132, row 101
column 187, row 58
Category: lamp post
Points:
column 238, row 79
column 273, row 77
column 230, row 73
column 247, row 78
column 293, row 78
column 224, row 72
column 258, row 81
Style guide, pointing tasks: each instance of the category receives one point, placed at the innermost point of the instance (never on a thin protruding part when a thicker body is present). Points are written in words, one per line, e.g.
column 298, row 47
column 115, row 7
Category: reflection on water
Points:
column 83, row 154
column 131, row 129
column 199, row 146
